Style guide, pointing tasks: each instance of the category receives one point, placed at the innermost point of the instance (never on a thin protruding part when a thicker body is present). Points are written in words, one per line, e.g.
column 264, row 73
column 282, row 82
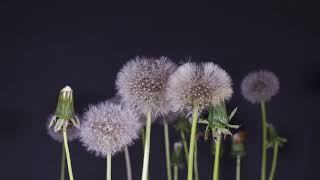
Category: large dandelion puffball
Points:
column 108, row 128
column 72, row 132
column 260, row 86
column 204, row 85
column 142, row 83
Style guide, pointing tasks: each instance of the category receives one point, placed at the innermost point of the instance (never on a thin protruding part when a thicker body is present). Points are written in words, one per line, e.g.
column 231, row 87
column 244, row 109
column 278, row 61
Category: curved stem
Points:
column 63, row 163
column 167, row 148
column 238, row 167
column 264, row 141
column 146, row 147
column 274, row 161
column 195, row 167
column 192, row 141
column 108, row 175
column 216, row 159
column 175, row 172
column 185, row 145
column 128, row 163
column 65, row 140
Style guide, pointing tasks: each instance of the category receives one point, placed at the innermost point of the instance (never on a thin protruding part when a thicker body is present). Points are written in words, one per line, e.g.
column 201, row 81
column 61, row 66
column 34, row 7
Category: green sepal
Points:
column 273, row 137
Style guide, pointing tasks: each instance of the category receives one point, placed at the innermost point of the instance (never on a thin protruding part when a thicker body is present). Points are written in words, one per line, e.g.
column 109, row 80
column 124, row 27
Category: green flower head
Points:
column 65, row 114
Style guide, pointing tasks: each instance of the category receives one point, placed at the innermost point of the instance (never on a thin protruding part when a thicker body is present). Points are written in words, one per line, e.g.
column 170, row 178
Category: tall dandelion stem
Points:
column 146, row 147
column 274, row 161
column 108, row 175
column 65, row 140
column 264, row 141
column 192, row 141
column 217, row 159
column 167, row 146
column 238, row 167
column 175, row 168
column 128, row 163
column 185, row 145
column 196, row 172
column 63, row 163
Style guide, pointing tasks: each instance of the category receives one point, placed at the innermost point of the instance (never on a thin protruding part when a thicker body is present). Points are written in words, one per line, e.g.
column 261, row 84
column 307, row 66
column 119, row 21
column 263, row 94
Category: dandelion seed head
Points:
column 260, row 86
column 108, row 128
column 142, row 83
column 204, row 85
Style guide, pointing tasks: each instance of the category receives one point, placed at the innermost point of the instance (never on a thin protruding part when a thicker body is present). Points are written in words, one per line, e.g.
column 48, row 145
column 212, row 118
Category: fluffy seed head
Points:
column 72, row 132
column 260, row 86
column 108, row 128
column 142, row 83
column 204, row 84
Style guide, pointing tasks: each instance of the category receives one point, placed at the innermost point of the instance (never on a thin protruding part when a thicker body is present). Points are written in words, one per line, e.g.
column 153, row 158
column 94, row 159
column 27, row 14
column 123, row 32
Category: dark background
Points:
column 46, row 45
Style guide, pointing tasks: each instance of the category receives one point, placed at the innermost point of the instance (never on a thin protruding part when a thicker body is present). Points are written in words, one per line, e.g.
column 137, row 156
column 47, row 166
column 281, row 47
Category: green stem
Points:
column 65, row 140
column 274, row 161
column 63, row 163
column 143, row 137
column 264, row 141
column 108, row 175
column 185, row 145
column 192, row 141
column 167, row 148
column 143, row 142
column 238, row 167
column 175, row 172
column 195, row 167
column 146, row 147
column 128, row 163
column 216, row 159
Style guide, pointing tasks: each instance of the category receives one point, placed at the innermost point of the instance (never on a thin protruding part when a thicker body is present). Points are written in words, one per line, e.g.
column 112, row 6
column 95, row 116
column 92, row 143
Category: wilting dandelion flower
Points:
column 260, row 86
column 108, row 128
column 63, row 120
column 203, row 85
column 142, row 83
column 73, row 132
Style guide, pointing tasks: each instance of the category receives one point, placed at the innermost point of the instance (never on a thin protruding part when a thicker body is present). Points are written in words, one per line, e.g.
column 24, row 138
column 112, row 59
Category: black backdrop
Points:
column 45, row 45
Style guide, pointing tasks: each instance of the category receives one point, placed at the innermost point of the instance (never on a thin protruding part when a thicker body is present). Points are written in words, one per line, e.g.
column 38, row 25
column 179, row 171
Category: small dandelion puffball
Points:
column 108, row 128
column 142, row 83
column 204, row 85
column 260, row 86
column 72, row 132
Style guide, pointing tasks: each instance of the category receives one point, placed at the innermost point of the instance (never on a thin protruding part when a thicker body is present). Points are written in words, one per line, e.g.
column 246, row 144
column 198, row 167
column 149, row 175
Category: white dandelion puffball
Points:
column 204, row 85
column 108, row 128
column 72, row 132
column 142, row 83
column 260, row 86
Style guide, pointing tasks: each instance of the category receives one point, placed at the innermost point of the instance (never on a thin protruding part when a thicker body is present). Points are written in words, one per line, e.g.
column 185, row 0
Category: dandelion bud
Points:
column 65, row 114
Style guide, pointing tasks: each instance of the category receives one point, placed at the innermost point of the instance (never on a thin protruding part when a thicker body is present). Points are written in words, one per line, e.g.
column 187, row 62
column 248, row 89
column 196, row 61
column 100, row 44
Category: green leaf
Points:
column 233, row 113
column 206, row 133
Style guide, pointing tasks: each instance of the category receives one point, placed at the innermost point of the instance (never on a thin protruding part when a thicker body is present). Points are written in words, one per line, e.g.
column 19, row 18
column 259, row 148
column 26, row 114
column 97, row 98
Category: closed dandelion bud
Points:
column 182, row 125
column 203, row 85
column 64, row 115
column 260, row 86
column 273, row 136
column 108, row 128
column 238, row 147
column 177, row 156
column 142, row 83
